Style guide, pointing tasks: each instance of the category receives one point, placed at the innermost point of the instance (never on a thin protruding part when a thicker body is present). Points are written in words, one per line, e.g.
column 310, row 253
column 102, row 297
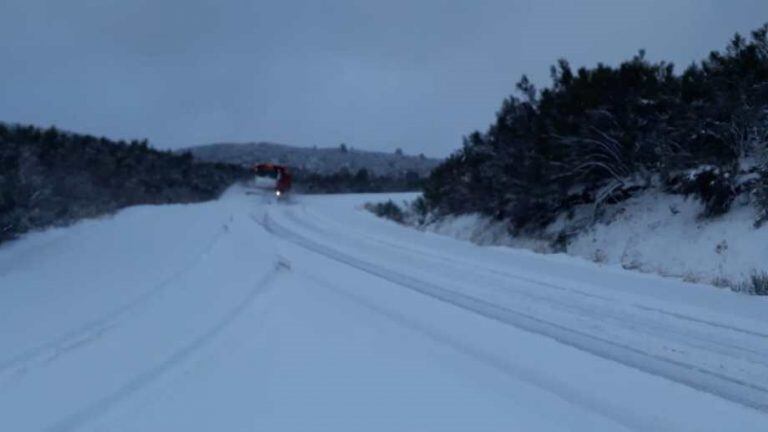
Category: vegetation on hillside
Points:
column 362, row 181
column 602, row 134
column 48, row 177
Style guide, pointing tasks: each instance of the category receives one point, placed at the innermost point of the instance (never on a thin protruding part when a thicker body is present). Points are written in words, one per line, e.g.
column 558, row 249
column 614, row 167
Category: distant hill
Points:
column 316, row 160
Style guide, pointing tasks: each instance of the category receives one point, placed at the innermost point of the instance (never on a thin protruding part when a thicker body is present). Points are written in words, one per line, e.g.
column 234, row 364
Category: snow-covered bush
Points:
column 757, row 284
column 420, row 209
column 388, row 210
column 712, row 185
column 760, row 283
column 761, row 198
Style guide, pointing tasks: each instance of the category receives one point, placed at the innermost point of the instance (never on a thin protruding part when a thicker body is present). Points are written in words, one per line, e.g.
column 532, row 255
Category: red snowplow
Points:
column 272, row 177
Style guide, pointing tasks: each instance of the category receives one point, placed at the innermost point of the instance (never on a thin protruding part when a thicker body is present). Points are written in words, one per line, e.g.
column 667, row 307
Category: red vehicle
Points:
column 272, row 177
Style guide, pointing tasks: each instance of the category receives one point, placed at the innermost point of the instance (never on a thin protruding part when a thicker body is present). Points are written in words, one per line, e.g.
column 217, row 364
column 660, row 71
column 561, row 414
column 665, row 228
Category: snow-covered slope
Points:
column 242, row 314
column 653, row 233
column 316, row 160
column 663, row 234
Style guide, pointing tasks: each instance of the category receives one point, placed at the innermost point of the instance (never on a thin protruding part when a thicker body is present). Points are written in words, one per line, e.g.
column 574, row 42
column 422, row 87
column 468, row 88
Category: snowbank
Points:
column 652, row 232
column 486, row 231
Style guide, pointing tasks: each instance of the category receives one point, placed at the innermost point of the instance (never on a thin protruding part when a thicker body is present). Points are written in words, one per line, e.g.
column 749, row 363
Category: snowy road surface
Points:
column 242, row 314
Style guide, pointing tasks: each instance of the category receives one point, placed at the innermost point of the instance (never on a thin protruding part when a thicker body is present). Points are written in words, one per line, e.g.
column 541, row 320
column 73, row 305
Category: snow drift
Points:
column 653, row 232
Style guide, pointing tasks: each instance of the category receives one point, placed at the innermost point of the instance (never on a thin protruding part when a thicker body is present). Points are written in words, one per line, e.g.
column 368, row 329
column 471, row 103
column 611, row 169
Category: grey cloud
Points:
column 374, row 74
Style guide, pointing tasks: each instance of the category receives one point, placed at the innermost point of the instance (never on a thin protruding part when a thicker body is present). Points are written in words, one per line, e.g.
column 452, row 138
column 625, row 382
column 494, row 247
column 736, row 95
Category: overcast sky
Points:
column 373, row 74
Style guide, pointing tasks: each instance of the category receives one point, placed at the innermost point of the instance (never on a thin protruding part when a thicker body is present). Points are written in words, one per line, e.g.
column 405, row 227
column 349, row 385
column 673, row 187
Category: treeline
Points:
column 48, row 177
column 601, row 134
column 344, row 181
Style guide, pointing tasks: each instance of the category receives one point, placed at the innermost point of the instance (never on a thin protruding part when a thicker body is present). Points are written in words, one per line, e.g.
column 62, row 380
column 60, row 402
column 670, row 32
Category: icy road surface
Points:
column 245, row 315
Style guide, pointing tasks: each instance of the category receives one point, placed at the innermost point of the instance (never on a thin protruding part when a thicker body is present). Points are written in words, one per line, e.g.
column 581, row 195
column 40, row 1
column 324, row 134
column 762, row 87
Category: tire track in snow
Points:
column 544, row 381
column 677, row 329
column 423, row 252
column 702, row 321
column 144, row 379
column 81, row 336
column 696, row 377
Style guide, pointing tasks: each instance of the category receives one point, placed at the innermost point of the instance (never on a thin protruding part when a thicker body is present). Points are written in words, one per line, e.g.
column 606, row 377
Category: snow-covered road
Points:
column 314, row 315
